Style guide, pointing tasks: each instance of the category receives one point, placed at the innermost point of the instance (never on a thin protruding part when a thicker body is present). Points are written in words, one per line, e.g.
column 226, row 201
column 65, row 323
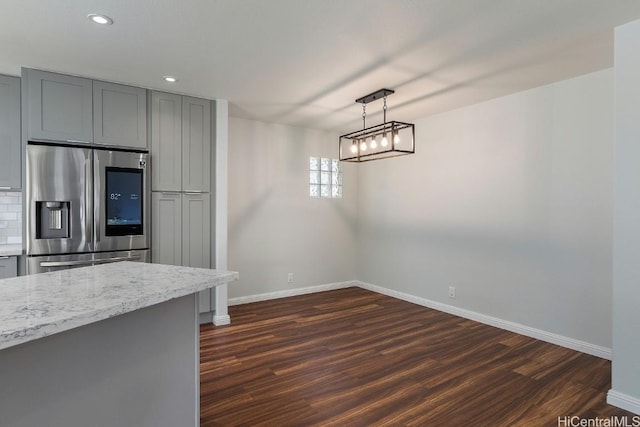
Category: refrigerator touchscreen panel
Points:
column 123, row 201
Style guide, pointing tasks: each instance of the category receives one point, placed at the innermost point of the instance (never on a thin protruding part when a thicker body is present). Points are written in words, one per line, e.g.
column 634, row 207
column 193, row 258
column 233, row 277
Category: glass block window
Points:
column 325, row 178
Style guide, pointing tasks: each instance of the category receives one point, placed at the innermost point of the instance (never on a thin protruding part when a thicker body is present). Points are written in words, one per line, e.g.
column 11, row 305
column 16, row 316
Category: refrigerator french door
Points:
column 85, row 206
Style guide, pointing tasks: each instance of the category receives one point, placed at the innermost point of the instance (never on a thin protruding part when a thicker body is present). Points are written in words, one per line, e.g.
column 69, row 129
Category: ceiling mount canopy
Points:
column 388, row 139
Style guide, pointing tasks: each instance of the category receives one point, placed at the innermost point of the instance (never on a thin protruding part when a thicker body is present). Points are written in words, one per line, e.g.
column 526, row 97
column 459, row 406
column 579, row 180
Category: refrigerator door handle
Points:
column 117, row 259
column 88, row 199
column 88, row 262
column 65, row 263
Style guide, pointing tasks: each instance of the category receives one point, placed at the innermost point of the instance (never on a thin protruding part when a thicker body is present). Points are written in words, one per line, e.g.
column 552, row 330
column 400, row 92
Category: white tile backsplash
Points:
column 10, row 217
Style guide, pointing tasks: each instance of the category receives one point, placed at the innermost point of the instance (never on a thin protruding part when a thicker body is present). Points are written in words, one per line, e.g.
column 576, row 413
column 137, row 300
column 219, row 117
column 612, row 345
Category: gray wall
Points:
column 275, row 228
column 626, row 250
column 510, row 202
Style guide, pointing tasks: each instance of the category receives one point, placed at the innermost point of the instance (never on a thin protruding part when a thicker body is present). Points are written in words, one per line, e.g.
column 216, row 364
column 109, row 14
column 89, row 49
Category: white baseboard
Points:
column 291, row 292
column 573, row 344
column 221, row 320
column 550, row 337
column 623, row 401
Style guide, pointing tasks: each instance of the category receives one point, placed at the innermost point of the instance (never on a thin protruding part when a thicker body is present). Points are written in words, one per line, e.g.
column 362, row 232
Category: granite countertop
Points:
column 10, row 249
column 33, row 307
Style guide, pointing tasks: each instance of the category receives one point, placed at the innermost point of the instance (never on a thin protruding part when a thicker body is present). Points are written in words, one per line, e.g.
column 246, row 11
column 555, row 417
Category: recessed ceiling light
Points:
column 169, row 79
column 100, row 19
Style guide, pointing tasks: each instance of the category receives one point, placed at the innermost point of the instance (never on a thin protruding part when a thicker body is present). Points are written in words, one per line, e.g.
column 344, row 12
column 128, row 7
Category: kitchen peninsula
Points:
column 108, row 345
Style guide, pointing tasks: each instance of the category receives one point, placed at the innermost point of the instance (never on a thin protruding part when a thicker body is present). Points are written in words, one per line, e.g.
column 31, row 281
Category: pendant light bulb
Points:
column 384, row 141
column 363, row 146
column 396, row 139
column 354, row 147
column 374, row 144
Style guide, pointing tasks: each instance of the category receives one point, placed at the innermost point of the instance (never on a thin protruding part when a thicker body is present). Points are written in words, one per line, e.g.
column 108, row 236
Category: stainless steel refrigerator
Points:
column 85, row 206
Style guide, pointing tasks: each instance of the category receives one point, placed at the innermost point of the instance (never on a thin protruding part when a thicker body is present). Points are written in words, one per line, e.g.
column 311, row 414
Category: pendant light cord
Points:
column 364, row 115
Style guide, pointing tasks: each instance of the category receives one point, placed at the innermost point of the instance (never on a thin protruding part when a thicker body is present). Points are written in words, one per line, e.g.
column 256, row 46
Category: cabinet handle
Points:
column 5, row 188
column 4, row 257
column 194, row 192
column 170, row 193
column 77, row 140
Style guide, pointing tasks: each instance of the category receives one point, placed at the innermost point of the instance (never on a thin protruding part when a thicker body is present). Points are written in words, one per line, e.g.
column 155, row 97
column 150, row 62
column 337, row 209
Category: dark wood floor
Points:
column 351, row 357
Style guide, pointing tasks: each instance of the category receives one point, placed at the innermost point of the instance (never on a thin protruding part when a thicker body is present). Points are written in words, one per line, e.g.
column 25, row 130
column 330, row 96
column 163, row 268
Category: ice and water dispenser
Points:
column 52, row 220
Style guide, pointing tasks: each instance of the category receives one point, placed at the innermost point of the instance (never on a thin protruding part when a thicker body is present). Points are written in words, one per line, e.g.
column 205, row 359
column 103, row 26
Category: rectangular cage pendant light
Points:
column 388, row 139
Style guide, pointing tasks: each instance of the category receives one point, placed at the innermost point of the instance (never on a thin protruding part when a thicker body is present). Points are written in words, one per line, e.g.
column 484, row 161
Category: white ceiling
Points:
column 304, row 62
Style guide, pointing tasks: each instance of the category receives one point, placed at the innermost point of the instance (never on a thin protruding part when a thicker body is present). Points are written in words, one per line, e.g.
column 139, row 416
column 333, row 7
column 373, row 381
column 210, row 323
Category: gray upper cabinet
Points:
column 196, row 144
column 10, row 158
column 119, row 115
column 180, row 143
column 59, row 107
column 166, row 141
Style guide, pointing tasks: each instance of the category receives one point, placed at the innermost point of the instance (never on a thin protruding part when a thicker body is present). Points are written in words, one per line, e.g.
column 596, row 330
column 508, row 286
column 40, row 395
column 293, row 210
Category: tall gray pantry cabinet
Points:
column 181, row 182
column 10, row 158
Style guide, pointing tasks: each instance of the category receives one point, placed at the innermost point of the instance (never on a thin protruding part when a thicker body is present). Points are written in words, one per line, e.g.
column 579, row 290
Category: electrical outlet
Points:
column 290, row 278
column 452, row 291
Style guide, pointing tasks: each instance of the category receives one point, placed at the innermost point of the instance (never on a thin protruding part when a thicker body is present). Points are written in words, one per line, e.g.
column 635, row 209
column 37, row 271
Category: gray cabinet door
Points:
column 196, row 144
column 8, row 267
column 59, row 107
column 166, row 142
column 196, row 238
column 10, row 158
column 166, row 228
column 119, row 115
column 196, row 230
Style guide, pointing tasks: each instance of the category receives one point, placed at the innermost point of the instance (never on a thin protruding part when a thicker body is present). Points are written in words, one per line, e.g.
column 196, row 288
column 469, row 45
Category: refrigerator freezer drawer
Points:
column 43, row 264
